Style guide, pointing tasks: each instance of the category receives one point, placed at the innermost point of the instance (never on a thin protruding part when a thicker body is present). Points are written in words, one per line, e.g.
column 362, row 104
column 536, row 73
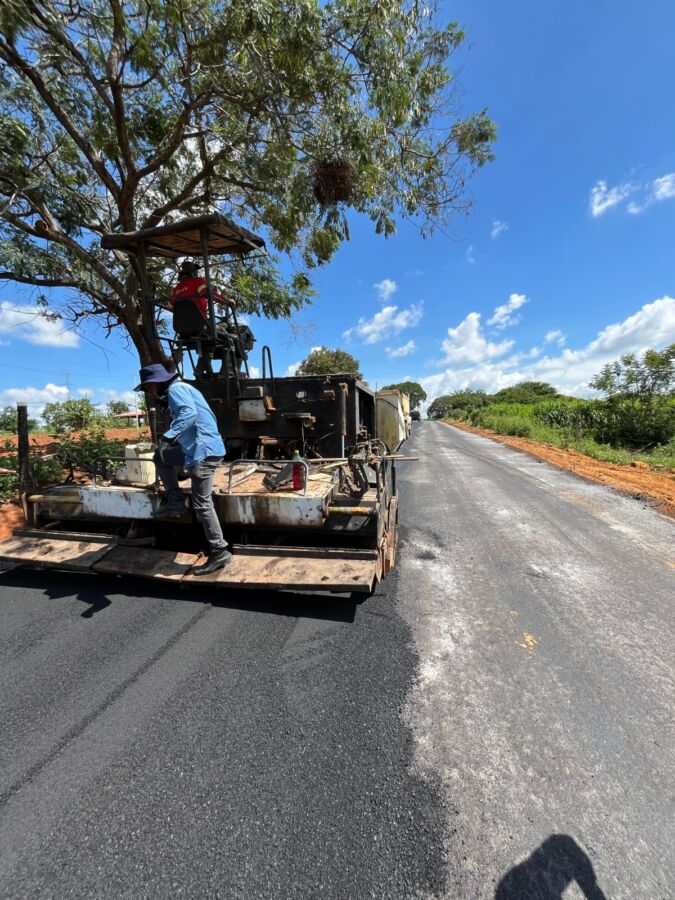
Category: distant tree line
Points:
column 70, row 415
column 636, row 412
column 525, row 392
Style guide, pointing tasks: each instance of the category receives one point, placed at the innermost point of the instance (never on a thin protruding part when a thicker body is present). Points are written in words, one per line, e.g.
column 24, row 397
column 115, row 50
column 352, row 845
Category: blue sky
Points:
column 565, row 262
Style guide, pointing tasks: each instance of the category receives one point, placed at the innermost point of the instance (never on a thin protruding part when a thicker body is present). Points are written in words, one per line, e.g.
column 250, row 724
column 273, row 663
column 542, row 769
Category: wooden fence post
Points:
column 23, row 449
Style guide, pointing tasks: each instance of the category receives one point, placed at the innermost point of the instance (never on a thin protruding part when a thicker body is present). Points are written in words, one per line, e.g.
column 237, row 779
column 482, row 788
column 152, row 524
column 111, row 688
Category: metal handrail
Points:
column 267, row 357
column 260, row 463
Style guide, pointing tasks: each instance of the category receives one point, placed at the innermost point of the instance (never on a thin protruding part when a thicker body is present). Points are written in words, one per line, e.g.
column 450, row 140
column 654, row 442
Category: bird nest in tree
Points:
column 333, row 181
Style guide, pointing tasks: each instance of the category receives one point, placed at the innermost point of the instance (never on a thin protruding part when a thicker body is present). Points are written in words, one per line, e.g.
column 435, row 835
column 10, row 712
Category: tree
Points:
column 414, row 390
column 639, row 397
column 639, row 380
column 117, row 407
column 123, row 115
column 440, row 407
column 322, row 361
column 70, row 415
column 9, row 420
column 526, row 392
column 443, row 407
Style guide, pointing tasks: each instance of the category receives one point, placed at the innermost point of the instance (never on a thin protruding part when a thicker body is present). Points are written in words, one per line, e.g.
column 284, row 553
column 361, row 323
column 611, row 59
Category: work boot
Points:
column 171, row 508
column 215, row 561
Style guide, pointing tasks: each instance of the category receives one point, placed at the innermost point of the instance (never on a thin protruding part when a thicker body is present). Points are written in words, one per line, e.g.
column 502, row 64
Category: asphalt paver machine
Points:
column 337, row 533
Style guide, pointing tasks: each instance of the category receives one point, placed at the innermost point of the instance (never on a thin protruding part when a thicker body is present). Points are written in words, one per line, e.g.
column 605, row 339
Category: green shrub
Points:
column 91, row 452
column 640, row 398
column 517, row 427
column 44, row 471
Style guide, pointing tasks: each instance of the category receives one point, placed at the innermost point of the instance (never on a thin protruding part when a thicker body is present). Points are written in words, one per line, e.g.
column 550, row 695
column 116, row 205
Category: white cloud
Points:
column 466, row 343
column 659, row 189
column 497, row 228
column 470, row 254
column 404, row 350
column 34, row 398
column 634, row 207
column 570, row 371
column 555, row 336
column 386, row 323
column 603, row 197
column 254, row 371
column 664, row 188
column 27, row 323
column 503, row 315
column 105, row 395
column 385, row 288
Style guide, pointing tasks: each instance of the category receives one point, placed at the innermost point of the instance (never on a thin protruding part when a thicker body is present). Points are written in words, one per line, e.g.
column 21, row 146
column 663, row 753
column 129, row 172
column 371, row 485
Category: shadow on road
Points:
column 98, row 592
column 547, row 873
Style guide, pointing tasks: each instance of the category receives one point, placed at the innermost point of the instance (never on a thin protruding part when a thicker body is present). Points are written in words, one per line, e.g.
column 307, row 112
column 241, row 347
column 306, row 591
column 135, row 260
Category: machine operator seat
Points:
column 188, row 321
column 193, row 329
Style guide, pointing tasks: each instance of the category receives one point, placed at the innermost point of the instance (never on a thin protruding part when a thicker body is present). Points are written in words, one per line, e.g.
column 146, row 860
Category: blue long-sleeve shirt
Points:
column 193, row 425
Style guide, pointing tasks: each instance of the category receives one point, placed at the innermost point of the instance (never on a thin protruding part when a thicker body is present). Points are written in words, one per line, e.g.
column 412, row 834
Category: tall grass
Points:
column 568, row 424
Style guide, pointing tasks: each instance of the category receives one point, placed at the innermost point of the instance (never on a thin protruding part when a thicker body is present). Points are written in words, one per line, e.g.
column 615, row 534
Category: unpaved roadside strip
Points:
column 636, row 479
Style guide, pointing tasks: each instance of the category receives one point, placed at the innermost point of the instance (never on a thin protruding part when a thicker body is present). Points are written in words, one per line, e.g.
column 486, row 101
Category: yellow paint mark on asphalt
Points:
column 529, row 641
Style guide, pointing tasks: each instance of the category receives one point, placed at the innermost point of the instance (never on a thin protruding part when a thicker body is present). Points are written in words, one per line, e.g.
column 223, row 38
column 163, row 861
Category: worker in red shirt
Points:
column 191, row 286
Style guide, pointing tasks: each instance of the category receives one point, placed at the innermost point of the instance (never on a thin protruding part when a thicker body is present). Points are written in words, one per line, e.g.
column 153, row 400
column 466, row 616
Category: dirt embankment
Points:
column 636, row 479
column 11, row 517
column 47, row 442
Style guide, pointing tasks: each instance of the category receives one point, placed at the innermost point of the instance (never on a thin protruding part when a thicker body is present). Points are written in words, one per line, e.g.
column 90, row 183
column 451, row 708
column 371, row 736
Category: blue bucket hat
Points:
column 155, row 372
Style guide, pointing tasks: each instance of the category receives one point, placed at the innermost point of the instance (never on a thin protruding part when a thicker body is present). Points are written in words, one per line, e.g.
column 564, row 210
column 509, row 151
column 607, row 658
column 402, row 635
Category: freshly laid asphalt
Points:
column 496, row 721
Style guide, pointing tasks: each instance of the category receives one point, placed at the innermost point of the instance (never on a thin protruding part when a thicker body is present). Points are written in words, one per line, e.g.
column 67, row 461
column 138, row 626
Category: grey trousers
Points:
column 201, row 476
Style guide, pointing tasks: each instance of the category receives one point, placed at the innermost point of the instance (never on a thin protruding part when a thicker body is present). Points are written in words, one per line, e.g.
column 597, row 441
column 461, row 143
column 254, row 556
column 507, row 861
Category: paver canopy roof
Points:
column 183, row 238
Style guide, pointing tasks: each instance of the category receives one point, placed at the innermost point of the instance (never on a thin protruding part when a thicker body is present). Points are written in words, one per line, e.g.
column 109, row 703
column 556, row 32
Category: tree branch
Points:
column 38, row 282
column 83, row 255
column 27, row 71
column 64, row 41
column 173, row 141
column 119, row 113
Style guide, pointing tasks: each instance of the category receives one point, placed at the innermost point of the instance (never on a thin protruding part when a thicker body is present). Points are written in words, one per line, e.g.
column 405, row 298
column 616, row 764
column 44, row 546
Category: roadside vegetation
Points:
column 634, row 421
column 82, row 443
column 71, row 415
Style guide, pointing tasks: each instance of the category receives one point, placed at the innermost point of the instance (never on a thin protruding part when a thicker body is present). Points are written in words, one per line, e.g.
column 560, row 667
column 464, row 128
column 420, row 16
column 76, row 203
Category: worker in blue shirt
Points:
column 193, row 442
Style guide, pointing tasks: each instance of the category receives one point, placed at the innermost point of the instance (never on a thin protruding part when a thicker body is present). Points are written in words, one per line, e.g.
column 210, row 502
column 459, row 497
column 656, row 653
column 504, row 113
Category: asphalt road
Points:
column 495, row 722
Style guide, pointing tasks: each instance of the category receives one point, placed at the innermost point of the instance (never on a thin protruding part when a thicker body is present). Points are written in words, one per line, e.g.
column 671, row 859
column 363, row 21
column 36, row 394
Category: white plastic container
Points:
column 139, row 463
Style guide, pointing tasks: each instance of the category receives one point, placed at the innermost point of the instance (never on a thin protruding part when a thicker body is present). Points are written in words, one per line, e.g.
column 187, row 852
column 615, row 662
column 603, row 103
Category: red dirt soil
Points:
column 11, row 517
column 45, row 441
column 636, row 479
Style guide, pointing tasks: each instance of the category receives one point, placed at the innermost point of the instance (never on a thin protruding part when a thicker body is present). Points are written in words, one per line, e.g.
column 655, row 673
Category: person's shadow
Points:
column 549, row 871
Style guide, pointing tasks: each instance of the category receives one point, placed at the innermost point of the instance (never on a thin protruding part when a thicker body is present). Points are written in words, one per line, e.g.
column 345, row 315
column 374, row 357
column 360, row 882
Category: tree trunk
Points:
column 149, row 349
